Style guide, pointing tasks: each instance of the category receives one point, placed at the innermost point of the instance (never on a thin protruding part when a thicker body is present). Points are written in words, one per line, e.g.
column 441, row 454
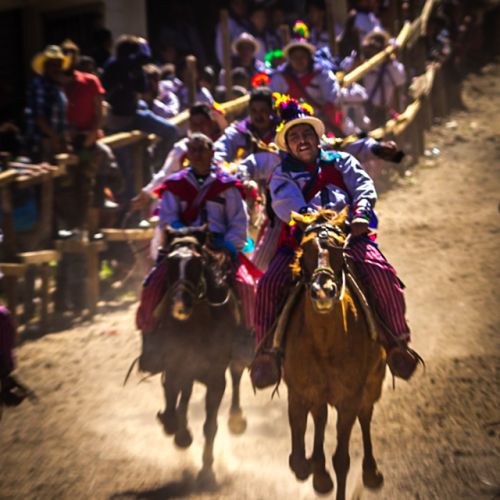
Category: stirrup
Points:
column 403, row 361
column 265, row 370
column 13, row 392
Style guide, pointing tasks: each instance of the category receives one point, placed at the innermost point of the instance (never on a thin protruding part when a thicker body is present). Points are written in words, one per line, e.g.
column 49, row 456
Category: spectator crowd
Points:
column 74, row 100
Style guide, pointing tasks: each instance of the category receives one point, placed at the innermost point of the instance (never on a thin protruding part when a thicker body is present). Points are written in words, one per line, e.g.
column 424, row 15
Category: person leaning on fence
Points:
column 46, row 106
column 245, row 49
column 200, row 194
column 309, row 177
column 383, row 84
column 84, row 93
column 237, row 24
column 303, row 79
column 259, row 28
column 125, row 80
column 151, row 97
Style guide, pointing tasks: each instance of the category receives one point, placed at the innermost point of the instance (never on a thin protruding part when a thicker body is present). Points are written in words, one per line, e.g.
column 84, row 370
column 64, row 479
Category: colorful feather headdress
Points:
column 292, row 112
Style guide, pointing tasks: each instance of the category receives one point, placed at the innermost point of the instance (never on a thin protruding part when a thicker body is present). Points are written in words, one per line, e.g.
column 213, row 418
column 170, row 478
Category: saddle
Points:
column 401, row 359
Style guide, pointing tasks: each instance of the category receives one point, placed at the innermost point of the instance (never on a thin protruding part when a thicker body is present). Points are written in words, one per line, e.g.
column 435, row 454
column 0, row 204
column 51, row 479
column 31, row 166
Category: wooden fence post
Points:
column 138, row 164
column 192, row 78
column 45, row 298
column 330, row 23
column 9, row 234
column 226, row 48
column 284, row 31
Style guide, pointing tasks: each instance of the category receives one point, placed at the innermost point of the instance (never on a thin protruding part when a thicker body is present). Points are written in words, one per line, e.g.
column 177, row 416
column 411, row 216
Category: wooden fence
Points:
column 430, row 99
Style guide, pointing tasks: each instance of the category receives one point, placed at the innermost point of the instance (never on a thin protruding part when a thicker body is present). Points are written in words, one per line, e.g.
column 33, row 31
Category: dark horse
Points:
column 332, row 356
column 198, row 317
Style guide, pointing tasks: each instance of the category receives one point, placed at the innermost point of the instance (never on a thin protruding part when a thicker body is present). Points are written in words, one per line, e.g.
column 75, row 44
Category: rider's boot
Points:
column 402, row 360
column 152, row 357
column 265, row 370
column 12, row 393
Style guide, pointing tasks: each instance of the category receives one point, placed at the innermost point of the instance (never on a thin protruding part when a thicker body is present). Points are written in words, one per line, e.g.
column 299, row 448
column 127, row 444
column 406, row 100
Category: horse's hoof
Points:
column 237, row 423
column 206, row 479
column 373, row 478
column 300, row 467
column 322, row 482
column 183, row 438
column 169, row 422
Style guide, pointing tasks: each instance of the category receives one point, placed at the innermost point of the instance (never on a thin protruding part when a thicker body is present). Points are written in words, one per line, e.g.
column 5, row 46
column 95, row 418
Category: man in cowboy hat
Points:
column 245, row 48
column 251, row 134
column 301, row 78
column 46, row 107
column 309, row 177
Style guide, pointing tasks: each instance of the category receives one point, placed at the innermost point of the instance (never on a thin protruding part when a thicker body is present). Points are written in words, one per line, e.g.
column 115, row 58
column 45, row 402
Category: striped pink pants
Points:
column 378, row 276
column 7, row 341
column 153, row 291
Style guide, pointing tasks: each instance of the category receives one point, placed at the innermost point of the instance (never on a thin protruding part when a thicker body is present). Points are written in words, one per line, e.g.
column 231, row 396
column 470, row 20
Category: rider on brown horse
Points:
column 199, row 195
column 309, row 177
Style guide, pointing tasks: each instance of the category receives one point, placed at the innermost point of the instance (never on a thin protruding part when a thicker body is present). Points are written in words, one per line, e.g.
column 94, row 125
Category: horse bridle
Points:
column 195, row 291
column 323, row 267
column 198, row 291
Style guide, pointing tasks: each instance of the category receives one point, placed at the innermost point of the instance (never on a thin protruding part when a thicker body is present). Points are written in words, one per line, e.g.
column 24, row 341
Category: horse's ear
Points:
column 200, row 233
column 341, row 218
column 168, row 235
column 302, row 220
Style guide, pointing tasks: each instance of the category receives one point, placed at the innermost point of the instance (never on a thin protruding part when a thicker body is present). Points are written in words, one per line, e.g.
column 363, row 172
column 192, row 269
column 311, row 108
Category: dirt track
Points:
column 435, row 437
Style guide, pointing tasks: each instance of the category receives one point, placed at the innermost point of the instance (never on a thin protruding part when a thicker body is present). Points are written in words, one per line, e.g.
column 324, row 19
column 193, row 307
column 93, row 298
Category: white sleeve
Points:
column 236, row 217
column 398, row 73
column 260, row 166
column 286, row 196
column 226, row 147
column 362, row 149
column 329, row 86
column 169, row 209
column 359, row 185
column 278, row 83
column 355, row 93
column 172, row 164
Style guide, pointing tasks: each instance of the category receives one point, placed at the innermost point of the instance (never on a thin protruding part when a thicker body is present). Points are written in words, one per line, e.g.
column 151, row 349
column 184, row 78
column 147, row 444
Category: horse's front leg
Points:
column 183, row 437
column 372, row 477
column 322, row 481
column 215, row 391
column 237, row 422
column 341, row 460
column 297, row 416
column 168, row 418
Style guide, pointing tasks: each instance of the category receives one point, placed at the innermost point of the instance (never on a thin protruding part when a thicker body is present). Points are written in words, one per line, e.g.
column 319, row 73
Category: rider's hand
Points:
column 141, row 200
column 386, row 150
column 359, row 228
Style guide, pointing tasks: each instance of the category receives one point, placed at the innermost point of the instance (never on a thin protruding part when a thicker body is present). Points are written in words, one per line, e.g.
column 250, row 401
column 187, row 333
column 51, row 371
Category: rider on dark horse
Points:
column 201, row 194
column 309, row 177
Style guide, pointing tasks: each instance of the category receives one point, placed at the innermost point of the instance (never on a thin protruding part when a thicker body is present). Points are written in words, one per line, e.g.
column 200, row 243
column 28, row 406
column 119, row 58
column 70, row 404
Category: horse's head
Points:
column 320, row 257
column 185, row 265
column 218, row 272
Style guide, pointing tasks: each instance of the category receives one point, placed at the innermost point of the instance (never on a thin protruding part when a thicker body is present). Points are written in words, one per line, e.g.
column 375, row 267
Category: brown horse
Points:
column 330, row 357
column 198, row 318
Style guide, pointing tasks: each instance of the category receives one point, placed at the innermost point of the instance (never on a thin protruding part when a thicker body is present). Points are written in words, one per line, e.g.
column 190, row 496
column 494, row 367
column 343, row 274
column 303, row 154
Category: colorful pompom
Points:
column 300, row 30
column 260, row 80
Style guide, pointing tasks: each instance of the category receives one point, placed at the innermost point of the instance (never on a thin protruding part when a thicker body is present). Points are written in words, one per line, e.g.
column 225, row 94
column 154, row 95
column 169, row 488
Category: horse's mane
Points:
column 321, row 216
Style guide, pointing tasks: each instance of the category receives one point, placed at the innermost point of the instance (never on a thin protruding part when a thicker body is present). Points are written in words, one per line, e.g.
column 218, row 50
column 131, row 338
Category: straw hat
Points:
column 246, row 38
column 51, row 52
column 292, row 112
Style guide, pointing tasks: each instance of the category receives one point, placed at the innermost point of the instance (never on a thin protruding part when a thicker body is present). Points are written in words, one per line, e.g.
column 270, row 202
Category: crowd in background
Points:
column 75, row 99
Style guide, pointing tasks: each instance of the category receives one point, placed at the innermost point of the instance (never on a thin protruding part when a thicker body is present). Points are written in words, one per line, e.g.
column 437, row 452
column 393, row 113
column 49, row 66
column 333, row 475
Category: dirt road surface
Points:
column 436, row 437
